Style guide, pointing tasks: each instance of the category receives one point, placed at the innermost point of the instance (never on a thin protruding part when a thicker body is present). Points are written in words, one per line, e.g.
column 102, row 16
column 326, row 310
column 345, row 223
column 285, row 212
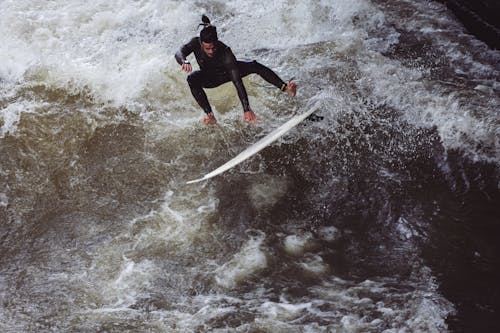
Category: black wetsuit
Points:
column 221, row 68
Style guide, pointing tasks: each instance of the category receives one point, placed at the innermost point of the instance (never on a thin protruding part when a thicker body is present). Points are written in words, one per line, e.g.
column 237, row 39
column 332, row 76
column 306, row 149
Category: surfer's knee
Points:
column 194, row 80
column 190, row 79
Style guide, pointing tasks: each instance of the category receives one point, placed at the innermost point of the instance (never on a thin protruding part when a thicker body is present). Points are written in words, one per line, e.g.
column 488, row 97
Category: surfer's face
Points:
column 209, row 49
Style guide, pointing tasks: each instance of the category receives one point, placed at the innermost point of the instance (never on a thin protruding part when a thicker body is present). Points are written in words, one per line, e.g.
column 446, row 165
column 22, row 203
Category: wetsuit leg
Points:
column 197, row 81
column 254, row 67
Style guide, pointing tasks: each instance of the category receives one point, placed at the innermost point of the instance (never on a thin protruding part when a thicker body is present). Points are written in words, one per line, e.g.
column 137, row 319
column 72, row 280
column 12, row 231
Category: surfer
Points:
column 218, row 65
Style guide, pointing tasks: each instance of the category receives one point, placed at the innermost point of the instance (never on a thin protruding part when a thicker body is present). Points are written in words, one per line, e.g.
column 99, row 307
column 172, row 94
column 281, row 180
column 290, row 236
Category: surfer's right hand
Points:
column 186, row 67
column 291, row 88
column 210, row 119
column 250, row 117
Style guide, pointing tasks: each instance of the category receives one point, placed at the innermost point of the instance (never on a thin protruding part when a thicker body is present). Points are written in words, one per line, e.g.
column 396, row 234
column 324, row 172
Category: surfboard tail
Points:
column 196, row 180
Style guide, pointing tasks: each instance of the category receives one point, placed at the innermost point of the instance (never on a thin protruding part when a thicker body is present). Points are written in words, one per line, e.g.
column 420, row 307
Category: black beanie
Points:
column 208, row 34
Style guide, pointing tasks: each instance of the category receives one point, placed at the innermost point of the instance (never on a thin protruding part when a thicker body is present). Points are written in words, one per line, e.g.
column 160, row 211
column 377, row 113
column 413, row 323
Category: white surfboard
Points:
column 259, row 145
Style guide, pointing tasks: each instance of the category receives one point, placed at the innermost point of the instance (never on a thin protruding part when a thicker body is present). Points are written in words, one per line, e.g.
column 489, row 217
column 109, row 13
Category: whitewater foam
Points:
column 296, row 245
column 10, row 117
column 117, row 55
column 314, row 264
column 4, row 200
column 266, row 191
column 247, row 262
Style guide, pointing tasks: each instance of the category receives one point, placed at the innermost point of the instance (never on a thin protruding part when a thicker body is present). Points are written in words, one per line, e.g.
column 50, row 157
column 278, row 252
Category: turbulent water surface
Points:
column 381, row 217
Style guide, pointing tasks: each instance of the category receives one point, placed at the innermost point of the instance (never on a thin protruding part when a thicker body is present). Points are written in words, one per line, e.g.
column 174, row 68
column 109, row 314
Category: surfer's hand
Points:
column 210, row 119
column 250, row 117
column 186, row 67
column 291, row 88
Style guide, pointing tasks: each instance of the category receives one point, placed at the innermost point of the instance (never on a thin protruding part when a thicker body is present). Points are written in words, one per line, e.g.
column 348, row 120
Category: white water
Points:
column 120, row 53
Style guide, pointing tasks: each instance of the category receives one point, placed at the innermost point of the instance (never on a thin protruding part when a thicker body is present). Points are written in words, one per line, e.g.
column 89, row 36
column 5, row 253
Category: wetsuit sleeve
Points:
column 234, row 73
column 184, row 51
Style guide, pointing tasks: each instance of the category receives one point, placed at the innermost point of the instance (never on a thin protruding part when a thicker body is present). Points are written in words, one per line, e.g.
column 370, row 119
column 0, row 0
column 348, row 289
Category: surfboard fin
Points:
column 315, row 117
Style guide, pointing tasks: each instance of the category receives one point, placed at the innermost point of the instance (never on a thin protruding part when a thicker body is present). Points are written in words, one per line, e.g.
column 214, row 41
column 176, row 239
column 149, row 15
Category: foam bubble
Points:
column 282, row 310
column 266, row 191
column 11, row 115
column 4, row 200
column 314, row 264
column 405, row 229
column 247, row 262
column 329, row 234
column 15, row 58
column 296, row 245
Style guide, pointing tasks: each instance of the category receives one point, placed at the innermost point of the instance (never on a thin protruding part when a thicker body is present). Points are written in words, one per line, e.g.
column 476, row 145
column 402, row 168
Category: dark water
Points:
column 479, row 17
column 463, row 246
column 467, row 238
column 381, row 217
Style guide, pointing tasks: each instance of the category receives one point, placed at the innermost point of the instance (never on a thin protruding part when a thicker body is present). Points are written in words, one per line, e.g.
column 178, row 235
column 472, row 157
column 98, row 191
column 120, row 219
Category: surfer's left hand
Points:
column 291, row 88
column 210, row 119
column 250, row 117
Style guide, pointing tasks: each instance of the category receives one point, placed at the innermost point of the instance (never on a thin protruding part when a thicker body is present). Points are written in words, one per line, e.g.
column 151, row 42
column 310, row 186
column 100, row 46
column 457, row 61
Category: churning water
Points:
column 381, row 217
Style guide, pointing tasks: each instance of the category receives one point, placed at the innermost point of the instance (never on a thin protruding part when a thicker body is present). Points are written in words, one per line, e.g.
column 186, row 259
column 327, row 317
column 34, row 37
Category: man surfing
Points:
column 218, row 65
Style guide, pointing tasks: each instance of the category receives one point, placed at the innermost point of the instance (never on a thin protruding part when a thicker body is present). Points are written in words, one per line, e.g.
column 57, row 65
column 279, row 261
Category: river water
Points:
column 381, row 217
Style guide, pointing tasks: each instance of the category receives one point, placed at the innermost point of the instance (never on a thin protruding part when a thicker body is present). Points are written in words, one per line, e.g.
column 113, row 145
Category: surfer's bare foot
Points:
column 250, row 117
column 291, row 88
column 210, row 119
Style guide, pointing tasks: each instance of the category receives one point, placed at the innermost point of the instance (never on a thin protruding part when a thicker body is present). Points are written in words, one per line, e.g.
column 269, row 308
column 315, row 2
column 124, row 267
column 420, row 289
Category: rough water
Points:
column 381, row 217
